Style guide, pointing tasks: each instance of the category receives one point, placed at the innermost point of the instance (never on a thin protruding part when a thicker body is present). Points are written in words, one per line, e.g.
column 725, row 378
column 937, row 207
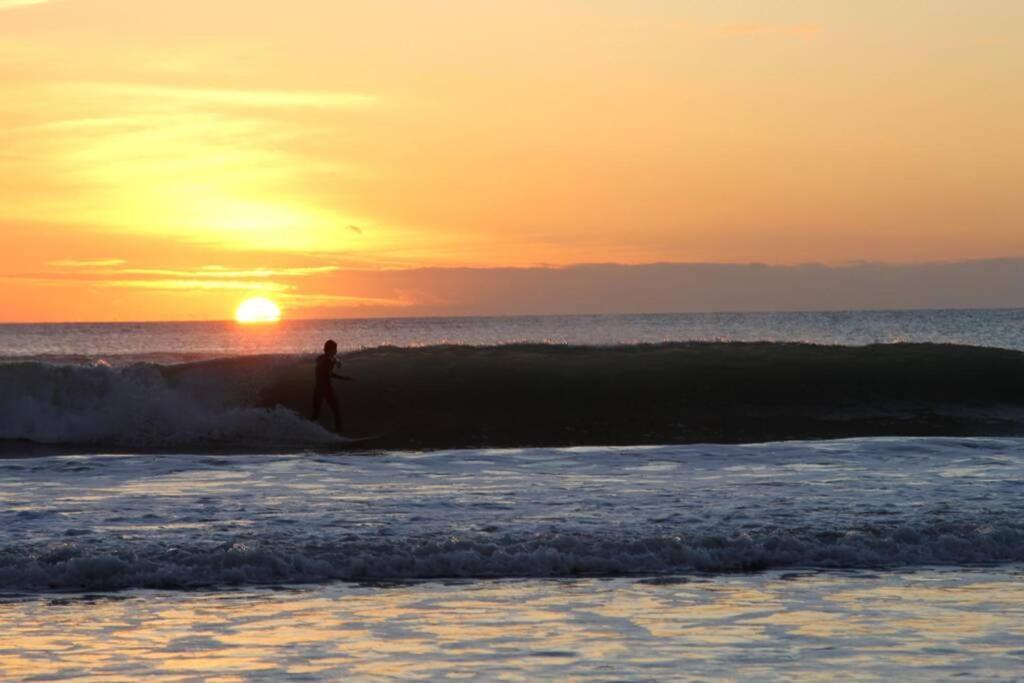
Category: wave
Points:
column 83, row 566
column 142, row 407
column 527, row 395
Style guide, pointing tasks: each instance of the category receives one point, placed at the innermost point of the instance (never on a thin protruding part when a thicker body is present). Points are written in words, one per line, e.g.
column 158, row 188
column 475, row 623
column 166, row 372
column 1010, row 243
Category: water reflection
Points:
column 902, row 625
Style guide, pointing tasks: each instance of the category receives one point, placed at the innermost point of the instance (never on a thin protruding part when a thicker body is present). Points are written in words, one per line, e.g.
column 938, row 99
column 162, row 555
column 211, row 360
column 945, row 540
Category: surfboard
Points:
column 359, row 440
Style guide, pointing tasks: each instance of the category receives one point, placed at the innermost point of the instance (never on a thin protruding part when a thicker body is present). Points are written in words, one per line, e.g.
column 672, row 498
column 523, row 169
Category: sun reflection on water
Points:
column 934, row 622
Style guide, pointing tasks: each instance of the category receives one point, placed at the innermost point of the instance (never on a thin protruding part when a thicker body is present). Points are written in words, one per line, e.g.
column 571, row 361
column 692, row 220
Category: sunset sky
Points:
column 165, row 160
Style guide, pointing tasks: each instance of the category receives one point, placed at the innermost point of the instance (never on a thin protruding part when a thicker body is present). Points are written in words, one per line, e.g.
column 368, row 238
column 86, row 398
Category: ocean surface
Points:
column 691, row 497
column 120, row 343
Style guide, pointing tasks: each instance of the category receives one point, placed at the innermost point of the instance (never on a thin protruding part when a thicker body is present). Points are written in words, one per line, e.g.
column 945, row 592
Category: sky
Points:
column 167, row 160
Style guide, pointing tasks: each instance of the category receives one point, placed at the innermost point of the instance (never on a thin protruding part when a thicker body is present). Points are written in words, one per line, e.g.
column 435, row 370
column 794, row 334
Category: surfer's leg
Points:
column 332, row 401
column 318, row 399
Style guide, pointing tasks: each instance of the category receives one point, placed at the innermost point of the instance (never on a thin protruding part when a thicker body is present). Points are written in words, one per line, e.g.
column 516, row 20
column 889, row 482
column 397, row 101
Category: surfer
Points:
column 323, row 390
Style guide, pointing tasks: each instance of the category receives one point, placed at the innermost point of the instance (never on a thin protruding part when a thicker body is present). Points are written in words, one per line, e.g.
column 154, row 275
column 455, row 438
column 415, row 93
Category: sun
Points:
column 258, row 310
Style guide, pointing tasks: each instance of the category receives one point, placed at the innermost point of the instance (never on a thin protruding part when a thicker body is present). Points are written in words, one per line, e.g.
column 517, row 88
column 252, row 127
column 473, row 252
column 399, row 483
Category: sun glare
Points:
column 258, row 310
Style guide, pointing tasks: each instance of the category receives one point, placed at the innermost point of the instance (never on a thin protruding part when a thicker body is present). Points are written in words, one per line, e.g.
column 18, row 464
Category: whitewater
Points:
column 888, row 557
column 115, row 522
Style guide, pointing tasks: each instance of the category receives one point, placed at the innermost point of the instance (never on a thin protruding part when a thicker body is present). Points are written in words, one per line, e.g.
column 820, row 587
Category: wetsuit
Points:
column 323, row 390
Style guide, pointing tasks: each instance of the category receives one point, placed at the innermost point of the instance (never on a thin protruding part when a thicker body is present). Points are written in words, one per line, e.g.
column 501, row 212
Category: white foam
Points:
column 83, row 566
column 92, row 522
column 137, row 407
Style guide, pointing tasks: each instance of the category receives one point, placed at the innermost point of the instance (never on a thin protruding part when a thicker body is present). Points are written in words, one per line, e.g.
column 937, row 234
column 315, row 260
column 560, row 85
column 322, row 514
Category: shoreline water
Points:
column 904, row 625
column 189, row 521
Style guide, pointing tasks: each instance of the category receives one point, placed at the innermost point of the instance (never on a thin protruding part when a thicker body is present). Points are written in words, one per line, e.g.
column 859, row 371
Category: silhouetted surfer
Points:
column 323, row 390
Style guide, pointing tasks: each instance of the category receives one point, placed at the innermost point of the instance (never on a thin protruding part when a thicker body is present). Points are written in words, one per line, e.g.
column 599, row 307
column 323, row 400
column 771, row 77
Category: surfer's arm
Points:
column 345, row 377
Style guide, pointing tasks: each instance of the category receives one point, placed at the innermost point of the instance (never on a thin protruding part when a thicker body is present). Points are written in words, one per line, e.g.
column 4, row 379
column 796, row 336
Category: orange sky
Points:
column 165, row 160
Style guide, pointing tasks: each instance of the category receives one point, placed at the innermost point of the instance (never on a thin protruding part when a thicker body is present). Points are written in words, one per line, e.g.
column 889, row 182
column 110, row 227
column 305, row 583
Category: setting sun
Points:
column 258, row 310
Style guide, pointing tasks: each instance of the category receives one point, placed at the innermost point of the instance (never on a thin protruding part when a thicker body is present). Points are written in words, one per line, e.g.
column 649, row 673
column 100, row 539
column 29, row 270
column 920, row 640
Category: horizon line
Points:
column 286, row 320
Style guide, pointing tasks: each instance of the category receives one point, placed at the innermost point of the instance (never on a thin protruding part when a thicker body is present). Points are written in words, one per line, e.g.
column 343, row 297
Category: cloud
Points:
column 303, row 300
column 92, row 280
column 242, row 98
column 93, row 263
column 172, row 284
column 674, row 288
column 218, row 272
column 184, row 163
column 356, row 229
column 105, row 273
column 328, row 291
column 14, row 4
column 804, row 31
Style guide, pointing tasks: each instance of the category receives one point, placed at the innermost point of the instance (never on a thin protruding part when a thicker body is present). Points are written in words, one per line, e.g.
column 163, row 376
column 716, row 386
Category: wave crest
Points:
column 141, row 406
column 529, row 395
column 84, row 566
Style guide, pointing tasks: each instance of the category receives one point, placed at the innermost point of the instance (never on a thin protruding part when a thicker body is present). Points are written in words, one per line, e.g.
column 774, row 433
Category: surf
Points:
column 84, row 564
column 519, row 395
column 106, row 522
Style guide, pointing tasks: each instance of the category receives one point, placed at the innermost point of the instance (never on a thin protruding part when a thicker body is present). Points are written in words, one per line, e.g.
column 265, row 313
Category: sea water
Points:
column 119, row 343
column 870, row 558
column 860, row 558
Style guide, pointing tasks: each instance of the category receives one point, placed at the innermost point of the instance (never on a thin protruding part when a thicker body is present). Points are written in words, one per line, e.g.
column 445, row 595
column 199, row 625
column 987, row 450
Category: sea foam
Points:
column 139, row 406
column 81, row 565
column 88, row 522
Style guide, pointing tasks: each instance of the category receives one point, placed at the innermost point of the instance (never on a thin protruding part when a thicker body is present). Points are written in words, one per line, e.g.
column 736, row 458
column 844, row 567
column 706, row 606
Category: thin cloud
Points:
column 308, row 300
column 91, row 280
column 14, row 4
column 245, row 98
column 89, row 263
column 91, row 123
column 103, row 271
column 217, row 272
column 171, row 284
column 206, row 278
column 356, row 229
column 805, row 31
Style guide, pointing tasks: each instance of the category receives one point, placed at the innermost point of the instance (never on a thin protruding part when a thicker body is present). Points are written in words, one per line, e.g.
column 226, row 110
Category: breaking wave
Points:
column 527, row 395
column 142, row 407
column 83, row 566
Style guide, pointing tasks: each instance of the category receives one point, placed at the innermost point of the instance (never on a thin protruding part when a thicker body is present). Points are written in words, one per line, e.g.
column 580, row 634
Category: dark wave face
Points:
column 525, row 395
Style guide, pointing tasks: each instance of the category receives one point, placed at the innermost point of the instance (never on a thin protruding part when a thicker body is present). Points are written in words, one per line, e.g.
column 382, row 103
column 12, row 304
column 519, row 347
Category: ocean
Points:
column 121, row 343
column 671, row 497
